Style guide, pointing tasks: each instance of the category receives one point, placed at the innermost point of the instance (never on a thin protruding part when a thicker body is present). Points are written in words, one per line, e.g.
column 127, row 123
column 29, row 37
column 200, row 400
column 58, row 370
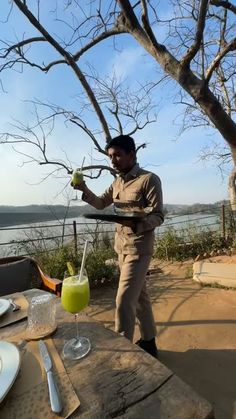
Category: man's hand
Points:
column 81, row 187
column 129, row 223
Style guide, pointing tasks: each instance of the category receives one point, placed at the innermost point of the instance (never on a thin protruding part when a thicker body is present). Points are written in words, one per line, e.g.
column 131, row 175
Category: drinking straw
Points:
column 82, row 165
column 83, row 260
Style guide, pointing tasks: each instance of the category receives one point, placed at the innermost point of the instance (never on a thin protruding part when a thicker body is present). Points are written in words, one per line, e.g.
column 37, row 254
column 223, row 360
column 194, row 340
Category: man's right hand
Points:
column 80, row 187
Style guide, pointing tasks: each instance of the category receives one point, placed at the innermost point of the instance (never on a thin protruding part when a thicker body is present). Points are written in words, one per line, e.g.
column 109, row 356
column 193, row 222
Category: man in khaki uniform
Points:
column 134, row 189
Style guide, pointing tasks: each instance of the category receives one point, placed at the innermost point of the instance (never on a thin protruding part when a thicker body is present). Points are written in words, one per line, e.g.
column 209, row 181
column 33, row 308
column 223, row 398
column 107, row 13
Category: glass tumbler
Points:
column 41, row 316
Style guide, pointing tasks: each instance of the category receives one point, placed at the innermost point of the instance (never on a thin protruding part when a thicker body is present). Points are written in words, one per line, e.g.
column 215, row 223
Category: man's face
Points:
column 120, row 160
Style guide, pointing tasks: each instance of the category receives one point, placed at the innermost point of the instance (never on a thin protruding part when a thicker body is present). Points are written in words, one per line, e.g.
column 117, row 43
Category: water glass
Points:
column 41, row 316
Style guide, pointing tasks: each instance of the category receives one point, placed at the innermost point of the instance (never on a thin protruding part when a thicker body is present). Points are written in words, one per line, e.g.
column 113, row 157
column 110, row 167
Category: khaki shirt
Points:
column 137, row 188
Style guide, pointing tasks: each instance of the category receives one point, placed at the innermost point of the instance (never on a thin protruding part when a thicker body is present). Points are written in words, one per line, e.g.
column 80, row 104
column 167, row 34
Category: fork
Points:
column 15, row 306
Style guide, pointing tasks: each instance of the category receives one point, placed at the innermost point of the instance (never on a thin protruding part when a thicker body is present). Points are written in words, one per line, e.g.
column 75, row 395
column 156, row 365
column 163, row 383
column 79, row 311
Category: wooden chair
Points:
column 19, row 273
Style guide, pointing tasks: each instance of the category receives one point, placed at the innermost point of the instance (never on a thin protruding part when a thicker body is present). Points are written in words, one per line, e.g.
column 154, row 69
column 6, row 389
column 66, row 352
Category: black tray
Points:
column 116, row 218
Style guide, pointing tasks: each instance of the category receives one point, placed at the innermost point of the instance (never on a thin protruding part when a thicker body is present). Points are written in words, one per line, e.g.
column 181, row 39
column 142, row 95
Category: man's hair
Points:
column 125, row 142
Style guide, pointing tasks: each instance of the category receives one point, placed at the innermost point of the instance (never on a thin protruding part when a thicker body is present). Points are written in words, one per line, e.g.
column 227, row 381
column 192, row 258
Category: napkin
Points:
column 13, row 316
column 29, row 397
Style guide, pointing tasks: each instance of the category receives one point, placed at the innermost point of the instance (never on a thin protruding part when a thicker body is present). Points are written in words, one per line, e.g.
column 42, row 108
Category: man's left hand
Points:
column 129, row 223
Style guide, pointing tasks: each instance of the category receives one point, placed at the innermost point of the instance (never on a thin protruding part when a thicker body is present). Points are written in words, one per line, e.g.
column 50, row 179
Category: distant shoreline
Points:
column 14, row 219
column 16, row 215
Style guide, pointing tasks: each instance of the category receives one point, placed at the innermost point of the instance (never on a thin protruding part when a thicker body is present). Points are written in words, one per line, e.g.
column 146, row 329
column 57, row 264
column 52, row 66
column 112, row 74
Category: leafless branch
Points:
column 144, row 145
column 231, row 46
column 100, row 38
column 226, row 4
column 21, row 44
column 219, row 154
column 70, row 61
column 192, row 51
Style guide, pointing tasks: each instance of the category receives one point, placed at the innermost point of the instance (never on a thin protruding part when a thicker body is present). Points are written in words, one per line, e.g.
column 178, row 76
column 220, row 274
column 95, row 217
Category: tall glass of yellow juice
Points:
column 74, row 298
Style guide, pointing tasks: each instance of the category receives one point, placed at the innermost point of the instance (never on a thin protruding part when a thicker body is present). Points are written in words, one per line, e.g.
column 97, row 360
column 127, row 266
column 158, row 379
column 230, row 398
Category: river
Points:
column 8, row 235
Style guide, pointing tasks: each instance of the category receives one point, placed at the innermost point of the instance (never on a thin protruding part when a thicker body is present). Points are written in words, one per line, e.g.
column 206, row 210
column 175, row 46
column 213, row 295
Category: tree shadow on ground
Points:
column 162, row 287
column 102, row 305
column 209, row 373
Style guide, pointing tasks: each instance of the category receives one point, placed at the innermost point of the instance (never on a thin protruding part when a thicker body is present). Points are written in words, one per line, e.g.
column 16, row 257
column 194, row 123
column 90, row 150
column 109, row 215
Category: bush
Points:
column 53, row 262
column 188, row 243
column 98, row 271
column 167, row 247
column 52, row 256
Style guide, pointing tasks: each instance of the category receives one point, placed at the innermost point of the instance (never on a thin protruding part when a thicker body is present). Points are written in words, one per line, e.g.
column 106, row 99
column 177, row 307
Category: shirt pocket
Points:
column 133, row 195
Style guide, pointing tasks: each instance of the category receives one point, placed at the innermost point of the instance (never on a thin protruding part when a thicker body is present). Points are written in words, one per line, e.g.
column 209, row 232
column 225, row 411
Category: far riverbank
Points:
column 10, row 235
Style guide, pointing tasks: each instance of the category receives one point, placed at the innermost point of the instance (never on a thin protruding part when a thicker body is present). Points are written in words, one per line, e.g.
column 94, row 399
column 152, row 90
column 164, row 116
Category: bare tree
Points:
column 125, row 111
column 198, row 50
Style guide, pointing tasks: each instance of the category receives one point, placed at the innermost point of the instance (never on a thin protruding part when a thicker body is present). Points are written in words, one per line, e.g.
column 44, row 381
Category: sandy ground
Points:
column 196, row 330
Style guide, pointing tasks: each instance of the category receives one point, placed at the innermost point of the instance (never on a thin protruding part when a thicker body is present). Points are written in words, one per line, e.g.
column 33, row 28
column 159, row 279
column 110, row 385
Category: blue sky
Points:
column 185, row 178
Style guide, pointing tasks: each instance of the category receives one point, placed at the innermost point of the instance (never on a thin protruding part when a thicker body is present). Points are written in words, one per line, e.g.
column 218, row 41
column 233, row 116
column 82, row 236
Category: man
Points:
column 133, row 189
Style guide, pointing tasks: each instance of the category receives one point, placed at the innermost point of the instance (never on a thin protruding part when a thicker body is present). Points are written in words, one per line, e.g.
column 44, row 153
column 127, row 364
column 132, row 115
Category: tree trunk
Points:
column 232, row 183
column 195, row 87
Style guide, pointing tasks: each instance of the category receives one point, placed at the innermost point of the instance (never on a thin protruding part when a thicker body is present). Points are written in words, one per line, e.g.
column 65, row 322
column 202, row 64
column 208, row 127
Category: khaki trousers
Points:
column 132, row 299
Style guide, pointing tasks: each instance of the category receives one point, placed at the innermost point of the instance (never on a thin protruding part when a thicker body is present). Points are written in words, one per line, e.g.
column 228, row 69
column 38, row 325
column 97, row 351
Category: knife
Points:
column 55, row 400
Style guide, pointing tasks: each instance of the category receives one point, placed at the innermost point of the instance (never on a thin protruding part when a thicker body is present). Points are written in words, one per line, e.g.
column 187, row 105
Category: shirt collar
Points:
column 132, row 173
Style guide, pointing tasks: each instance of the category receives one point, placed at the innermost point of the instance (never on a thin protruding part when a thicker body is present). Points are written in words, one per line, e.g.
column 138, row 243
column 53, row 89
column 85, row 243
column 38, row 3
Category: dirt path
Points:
column 196, row 331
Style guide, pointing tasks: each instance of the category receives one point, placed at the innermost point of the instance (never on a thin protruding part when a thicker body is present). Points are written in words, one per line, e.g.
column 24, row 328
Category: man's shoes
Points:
column 148, row 346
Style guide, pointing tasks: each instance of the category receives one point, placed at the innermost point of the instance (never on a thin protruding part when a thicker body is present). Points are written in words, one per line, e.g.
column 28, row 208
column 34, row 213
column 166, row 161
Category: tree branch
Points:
column 115, row 31
column 100, row 168
column 70, row 61
column 79, row 123
column 193, row 50
column 148, row 28
column 226, row 4
column 128, row 17
column 22, row 44
column 231, row 46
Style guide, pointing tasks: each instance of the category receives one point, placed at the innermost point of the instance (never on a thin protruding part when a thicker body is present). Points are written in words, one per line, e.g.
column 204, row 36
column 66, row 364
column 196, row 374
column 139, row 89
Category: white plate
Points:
column 9, row 366
column 4, row 306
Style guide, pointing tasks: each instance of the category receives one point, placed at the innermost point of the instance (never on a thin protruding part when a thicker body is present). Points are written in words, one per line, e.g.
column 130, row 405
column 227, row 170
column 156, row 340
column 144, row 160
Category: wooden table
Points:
column 117, row 378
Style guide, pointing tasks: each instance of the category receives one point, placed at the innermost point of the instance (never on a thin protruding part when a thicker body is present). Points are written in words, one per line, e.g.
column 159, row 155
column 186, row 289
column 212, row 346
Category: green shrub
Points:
column 167, row 246
column 53, row 262
column 98, row 271
column 188, row 243
column 52, row 256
